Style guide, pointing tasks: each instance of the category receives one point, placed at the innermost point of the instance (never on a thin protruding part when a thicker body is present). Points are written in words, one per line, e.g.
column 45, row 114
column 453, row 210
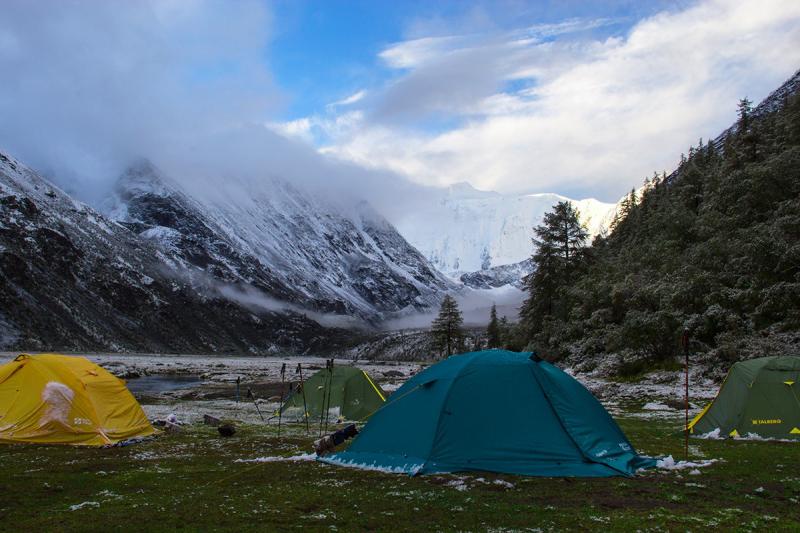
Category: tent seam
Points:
column 564, row 427
column 444, row 406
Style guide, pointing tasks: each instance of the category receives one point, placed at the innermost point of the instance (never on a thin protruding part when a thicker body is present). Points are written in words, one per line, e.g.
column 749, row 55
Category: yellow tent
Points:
column 60, row 399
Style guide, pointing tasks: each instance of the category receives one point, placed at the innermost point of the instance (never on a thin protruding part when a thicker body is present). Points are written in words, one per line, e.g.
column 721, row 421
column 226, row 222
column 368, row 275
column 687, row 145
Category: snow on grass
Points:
column 716, row 434
column 757, row 437
column 711, row 435
column 669, row 463
column 83, row 505
column 410, row 468
column 656, row 406
column 279, row 458
column 459, row 484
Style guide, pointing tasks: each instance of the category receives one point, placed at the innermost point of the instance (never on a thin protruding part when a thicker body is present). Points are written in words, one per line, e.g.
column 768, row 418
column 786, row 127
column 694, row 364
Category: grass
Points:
column 190, row 481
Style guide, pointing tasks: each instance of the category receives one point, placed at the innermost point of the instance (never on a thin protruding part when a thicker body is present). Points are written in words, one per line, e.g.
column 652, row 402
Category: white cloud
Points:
column 350, row 100
column 597, row 116
column 300, row 128
column 88, row 86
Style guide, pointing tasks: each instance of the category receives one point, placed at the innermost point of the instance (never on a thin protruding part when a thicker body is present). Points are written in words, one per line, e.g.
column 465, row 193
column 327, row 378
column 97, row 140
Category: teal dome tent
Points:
column 495, row 411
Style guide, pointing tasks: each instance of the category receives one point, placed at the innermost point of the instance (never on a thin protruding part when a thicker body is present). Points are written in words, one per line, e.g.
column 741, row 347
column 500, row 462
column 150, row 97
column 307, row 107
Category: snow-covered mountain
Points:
column 462, row 229
column 289, row 244
column 72, row 279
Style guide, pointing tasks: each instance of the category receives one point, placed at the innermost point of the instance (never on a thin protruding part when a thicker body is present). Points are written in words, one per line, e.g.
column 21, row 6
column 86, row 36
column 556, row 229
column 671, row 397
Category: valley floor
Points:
column 196, row 480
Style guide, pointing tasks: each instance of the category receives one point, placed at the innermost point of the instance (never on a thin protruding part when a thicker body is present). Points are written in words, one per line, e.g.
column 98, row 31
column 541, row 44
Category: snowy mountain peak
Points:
column 462, row 229
column 284, row 241
column 142, row 177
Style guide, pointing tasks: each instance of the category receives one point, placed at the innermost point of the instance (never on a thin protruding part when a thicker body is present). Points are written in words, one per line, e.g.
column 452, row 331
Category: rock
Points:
column 211, row 420
column 227, row 430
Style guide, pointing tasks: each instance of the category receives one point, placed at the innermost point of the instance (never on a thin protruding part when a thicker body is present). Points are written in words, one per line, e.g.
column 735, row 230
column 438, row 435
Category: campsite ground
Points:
column 195, row 479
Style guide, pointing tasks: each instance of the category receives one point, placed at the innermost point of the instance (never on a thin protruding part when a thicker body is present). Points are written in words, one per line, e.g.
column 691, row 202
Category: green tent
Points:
column 760, row 397
column 495, row 411
column 350, row 394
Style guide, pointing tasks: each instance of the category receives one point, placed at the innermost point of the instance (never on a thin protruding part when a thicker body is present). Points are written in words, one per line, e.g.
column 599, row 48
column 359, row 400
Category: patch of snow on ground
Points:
column 668, row 463
column 278, row 458
column 458, row 484
column 79, row 506
column 711, row 435
column 656, row 406
column 374, row 467
column 716, row 434
column 757, row 437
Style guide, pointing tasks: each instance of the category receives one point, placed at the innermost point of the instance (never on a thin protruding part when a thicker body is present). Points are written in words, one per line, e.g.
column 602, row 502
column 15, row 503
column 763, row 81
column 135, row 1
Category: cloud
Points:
column 88, row 86
column 550, row 110
column 350, row 100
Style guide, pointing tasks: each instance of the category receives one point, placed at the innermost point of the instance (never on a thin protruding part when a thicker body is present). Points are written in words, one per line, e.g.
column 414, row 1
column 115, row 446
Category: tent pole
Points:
column 329, row 399
column 685, row 342
column 253, row 397
column 280, row 407
column 328, row 375
column 303, row 390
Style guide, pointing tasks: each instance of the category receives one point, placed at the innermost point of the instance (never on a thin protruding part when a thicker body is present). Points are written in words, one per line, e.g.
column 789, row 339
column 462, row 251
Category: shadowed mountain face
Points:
column 287, row 243
column 74, row 280
column 164, row 271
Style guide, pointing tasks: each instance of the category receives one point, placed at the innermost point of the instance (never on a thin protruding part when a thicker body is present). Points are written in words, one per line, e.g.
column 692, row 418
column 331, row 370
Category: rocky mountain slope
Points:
column 293, row 247
column 70, row 278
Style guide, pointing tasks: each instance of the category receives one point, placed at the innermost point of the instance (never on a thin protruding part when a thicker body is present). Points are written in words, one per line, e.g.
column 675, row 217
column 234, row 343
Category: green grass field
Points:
column 191, row 481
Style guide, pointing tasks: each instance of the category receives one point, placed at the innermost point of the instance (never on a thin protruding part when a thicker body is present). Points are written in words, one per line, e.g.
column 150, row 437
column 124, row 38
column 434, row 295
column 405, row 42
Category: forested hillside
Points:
column 712, row 249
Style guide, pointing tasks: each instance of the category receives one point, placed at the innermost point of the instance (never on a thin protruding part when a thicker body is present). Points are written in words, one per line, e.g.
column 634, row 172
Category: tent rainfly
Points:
column 495, row 411
column 759, row 397
column 350, row 394
column 60, row 399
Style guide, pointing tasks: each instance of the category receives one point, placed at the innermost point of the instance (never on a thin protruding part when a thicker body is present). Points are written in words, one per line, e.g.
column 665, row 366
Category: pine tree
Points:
column 745, row 110
column 746, row 133
column 493, row 330
column 560, row 243
column 446, row 328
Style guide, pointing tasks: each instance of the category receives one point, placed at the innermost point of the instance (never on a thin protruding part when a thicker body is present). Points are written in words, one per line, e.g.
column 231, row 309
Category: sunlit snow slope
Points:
column 463, row 229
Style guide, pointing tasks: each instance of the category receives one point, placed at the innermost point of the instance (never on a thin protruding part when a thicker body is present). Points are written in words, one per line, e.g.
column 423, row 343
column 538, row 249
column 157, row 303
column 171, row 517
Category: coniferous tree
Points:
column 505, row 331
column 493, row 330
column 745, row 109
column 560, row 243
column 747, row 133
column 446, row 329
column 712, row 250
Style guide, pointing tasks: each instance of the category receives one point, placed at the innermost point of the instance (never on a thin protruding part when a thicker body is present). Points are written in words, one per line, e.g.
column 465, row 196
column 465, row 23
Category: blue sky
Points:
column 323, row 51
column 581, row 98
